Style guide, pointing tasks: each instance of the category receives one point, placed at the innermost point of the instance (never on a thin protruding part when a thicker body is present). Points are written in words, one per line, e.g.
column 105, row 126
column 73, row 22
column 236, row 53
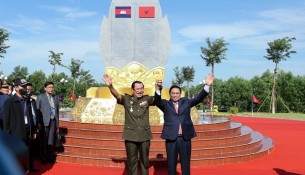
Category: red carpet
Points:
column 287, row 158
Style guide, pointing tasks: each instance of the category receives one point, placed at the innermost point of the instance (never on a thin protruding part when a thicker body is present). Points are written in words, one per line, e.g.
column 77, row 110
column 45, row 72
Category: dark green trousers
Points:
column 133, row 150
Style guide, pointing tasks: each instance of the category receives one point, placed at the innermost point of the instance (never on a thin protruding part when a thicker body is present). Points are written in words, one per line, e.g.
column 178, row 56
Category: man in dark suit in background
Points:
column 48, row 107
column 178, row 128
column 3, row 98
column 18, row 118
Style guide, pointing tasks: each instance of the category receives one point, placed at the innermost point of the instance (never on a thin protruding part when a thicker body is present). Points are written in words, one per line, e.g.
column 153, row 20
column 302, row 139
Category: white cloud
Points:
column 71, row 13
column 269, row 26
column 27, row 23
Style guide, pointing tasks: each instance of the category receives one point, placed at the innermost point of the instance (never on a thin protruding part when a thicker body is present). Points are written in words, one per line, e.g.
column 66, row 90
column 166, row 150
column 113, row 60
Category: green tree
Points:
column 188, row 74
column 19, row 72
column 221, row 95
column 3, row 37
column 261, row 87
column 278, row 50
column 85, row 82
column 178, row 77
column 37, row 78
column 213, row 54
column 289, row 92
column 75, row 70
column 55, row 59
column 239, row 91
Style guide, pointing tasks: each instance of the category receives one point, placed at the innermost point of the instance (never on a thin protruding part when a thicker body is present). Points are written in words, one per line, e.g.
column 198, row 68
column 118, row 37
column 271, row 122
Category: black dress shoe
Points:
column 51, row 160
column 34, row 169
column 44, row 161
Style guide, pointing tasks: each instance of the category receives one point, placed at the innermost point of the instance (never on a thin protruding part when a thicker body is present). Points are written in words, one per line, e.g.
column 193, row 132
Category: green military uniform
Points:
column 137, row 133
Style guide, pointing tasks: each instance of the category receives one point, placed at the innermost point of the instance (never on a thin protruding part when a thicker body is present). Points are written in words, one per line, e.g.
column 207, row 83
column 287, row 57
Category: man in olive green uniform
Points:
column 137, row 133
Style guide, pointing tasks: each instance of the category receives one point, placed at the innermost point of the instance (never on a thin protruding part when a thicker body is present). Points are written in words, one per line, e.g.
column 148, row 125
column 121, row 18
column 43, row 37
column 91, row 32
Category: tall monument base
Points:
column 219, row 141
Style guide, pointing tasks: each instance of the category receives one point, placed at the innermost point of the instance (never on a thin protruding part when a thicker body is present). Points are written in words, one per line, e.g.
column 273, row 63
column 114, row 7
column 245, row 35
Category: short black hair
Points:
column 29, row 84
column 133, row 84
column 174, row 86
column 48, row 83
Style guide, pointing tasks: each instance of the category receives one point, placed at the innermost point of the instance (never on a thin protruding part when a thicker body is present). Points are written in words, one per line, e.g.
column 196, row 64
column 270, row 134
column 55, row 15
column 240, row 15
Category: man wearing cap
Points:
column 5, row 88
column 48, row 107
column 18, row 118
column 3, row 98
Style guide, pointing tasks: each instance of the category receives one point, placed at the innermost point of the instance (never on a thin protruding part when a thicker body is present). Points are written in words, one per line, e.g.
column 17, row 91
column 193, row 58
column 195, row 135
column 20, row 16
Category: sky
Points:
column 73, row 27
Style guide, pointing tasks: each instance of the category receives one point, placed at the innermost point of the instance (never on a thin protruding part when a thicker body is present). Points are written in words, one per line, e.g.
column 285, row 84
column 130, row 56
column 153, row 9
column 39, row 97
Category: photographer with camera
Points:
column 18, row 117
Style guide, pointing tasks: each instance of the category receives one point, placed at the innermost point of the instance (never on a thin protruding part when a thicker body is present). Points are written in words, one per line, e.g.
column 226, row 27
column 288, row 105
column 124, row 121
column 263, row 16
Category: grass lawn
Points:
column 260, row 114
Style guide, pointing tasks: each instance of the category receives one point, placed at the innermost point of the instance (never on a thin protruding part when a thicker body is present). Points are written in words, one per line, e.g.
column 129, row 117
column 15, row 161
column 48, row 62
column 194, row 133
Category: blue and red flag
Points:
column 123, row 12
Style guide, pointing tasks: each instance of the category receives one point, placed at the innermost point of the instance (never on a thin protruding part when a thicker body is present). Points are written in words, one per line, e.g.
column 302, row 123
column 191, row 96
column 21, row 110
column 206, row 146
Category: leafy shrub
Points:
column 234, row 110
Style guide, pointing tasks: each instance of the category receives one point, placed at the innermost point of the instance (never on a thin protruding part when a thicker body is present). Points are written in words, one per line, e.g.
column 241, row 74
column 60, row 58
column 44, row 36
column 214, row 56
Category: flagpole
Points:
column 252, row 102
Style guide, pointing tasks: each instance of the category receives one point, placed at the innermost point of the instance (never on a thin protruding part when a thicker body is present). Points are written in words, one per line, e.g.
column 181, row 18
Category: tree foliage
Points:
column 3, row 37
column 280, row 49
column 213, row 54
column 18, row 72
column 237, row 91
column 36, row 79
column 188, row 74
column 185, row 74
column 55, row 59
column 179, row 80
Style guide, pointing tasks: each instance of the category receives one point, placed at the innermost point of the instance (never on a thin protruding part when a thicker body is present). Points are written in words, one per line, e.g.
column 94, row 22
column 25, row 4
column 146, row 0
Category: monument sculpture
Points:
column 135, row 43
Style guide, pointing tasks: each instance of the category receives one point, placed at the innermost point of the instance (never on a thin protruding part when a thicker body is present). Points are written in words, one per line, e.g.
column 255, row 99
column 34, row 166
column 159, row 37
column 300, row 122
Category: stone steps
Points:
column 220, row 141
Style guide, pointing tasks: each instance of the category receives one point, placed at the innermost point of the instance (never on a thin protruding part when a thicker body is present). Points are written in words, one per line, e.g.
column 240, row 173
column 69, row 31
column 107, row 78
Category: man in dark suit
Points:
column 18, row 118
column 137, row 133
column 3, row 98
column 48, row 107
column 178, row 128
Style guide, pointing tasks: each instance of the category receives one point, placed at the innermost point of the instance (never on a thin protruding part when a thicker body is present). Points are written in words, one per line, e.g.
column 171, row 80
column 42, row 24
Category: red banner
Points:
column 255, row 100
column 72, row 96
column 147, row 12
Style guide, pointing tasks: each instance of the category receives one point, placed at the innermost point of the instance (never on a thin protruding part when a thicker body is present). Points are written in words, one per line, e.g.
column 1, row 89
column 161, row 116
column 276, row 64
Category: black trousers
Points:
column 182, row 148
column 28, row 143
column 47, row 142
column 1, row 124
column 133, row 149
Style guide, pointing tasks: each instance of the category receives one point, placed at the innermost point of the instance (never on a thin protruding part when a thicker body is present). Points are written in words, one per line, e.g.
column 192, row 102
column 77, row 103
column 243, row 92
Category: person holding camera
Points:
column 18, row 118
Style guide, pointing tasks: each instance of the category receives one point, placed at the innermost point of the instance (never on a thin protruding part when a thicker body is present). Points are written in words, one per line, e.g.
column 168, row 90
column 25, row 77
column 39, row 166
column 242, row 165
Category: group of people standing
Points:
column 178, row 128
column 30, row 119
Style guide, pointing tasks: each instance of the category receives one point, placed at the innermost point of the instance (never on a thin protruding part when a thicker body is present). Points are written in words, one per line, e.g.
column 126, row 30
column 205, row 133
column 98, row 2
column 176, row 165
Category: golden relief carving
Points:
column 99, row 106
column 79, row 108
column 132, row 72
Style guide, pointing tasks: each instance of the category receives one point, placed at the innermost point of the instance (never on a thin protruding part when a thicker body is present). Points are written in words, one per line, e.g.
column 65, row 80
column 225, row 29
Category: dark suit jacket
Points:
column 44, row 108
column 172, row 119
column 13, row 118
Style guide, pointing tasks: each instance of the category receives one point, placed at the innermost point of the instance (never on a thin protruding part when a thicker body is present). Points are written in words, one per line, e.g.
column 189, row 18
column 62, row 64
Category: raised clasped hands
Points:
column 158, row 84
